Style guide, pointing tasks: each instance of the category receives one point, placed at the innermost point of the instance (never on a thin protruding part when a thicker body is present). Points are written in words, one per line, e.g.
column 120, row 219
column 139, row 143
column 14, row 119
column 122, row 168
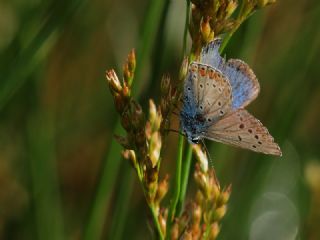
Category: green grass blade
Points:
column 186, row 166
column 122, row 203
column 177, row 185
column 28, row 60
column 44, row 179
column 110, row 169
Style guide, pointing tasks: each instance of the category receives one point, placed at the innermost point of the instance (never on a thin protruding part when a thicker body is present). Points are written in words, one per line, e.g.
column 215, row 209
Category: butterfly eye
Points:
column 195, row 140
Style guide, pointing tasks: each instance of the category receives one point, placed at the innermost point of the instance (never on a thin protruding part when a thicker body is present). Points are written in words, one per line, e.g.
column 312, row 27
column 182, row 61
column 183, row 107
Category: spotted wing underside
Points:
column 239, row 128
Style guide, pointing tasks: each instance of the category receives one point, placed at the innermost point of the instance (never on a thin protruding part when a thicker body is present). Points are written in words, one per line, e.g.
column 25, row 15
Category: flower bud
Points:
column 196, row 214
column 214, row 230
column 152, row 111
column 220, row 212
column 263, row 3
column 155, row 148
column 201, row 157
column 165, row 84
column 162, row 189
column 201, row 180
column 125, row 120
column 163, row 223
column 137, row 116
column 132, row 61
column 205, row 29
column 199, row 198
column 130, row 155
column 113, row 80
column 183, row 69
column 119, row 102
column 126, row 73
column 224, row 196
column 123, row 141
column 126, row 90
column 175, row 231
column 232, row 5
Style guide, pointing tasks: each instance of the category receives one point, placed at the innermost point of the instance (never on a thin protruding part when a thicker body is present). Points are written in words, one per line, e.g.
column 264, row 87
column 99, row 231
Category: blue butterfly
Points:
column 216, row 92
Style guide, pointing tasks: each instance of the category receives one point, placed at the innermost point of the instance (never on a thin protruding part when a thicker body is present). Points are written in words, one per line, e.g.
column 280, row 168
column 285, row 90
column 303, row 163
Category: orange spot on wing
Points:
column 202, row 71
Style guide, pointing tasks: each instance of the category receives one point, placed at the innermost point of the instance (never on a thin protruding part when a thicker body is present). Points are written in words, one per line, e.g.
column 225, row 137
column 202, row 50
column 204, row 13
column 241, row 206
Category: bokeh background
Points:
column 61, row 175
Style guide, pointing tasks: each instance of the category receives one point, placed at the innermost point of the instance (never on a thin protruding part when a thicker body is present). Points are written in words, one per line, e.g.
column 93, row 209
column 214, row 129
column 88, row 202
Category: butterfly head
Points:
column 191, row 129
column 194, row 140
column 192, row 137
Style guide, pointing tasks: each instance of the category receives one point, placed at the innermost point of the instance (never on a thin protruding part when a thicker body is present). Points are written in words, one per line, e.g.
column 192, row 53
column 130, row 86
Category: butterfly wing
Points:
column 241, row 129
column 244, row 83
column 207, row 98
column 190, row 98
column 210, row 54
column 213, row 92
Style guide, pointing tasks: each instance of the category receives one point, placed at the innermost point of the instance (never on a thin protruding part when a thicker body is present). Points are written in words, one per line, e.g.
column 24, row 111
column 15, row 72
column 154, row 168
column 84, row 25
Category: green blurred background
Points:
column 61, row 175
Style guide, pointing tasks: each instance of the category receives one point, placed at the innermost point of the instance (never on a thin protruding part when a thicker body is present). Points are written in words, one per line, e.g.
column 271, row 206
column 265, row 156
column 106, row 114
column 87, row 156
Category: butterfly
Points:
column 216, row 93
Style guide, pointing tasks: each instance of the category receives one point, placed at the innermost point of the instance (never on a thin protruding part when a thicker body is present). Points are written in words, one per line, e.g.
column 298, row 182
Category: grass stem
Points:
column 177, row 184
column 184, row 179
column 156, row 222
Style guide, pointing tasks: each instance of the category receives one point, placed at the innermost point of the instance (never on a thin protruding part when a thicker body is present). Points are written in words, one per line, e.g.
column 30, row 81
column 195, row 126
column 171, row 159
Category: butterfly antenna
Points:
column 208, row 154
column 211, row 163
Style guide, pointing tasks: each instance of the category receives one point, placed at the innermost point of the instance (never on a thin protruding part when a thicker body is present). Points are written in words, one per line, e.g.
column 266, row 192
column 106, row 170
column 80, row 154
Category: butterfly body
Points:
column 215, row 94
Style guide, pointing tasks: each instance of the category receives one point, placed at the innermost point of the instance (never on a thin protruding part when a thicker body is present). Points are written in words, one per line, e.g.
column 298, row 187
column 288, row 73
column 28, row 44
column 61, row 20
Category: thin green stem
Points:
column 156, row 222
column 177, row 184
column 184, row 179
column 177, row 198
